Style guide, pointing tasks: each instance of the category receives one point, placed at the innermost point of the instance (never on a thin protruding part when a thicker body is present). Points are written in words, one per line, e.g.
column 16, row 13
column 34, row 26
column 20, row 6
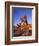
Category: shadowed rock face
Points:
column 23, row 32
column 23, row 28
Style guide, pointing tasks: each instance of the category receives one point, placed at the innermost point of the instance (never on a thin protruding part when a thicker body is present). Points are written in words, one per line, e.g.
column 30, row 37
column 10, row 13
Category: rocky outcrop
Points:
column 23, row 28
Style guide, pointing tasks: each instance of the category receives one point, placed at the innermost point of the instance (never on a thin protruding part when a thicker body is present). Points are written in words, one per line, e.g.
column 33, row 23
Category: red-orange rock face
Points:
column 23, row 29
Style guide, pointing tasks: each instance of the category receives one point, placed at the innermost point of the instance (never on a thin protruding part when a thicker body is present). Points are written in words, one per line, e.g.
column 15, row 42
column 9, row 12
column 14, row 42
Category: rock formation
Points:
column 23, row 28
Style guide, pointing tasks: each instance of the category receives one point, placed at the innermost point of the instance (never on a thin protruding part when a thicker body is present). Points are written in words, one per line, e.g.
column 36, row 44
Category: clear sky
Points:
column 18, row 12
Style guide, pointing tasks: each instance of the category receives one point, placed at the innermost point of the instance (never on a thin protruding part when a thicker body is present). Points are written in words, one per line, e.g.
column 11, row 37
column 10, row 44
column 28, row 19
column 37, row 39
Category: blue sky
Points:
column 18, row 12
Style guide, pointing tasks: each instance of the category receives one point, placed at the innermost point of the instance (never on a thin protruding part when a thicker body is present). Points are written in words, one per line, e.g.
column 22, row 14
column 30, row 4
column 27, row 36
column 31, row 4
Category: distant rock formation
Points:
column 23, row 28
